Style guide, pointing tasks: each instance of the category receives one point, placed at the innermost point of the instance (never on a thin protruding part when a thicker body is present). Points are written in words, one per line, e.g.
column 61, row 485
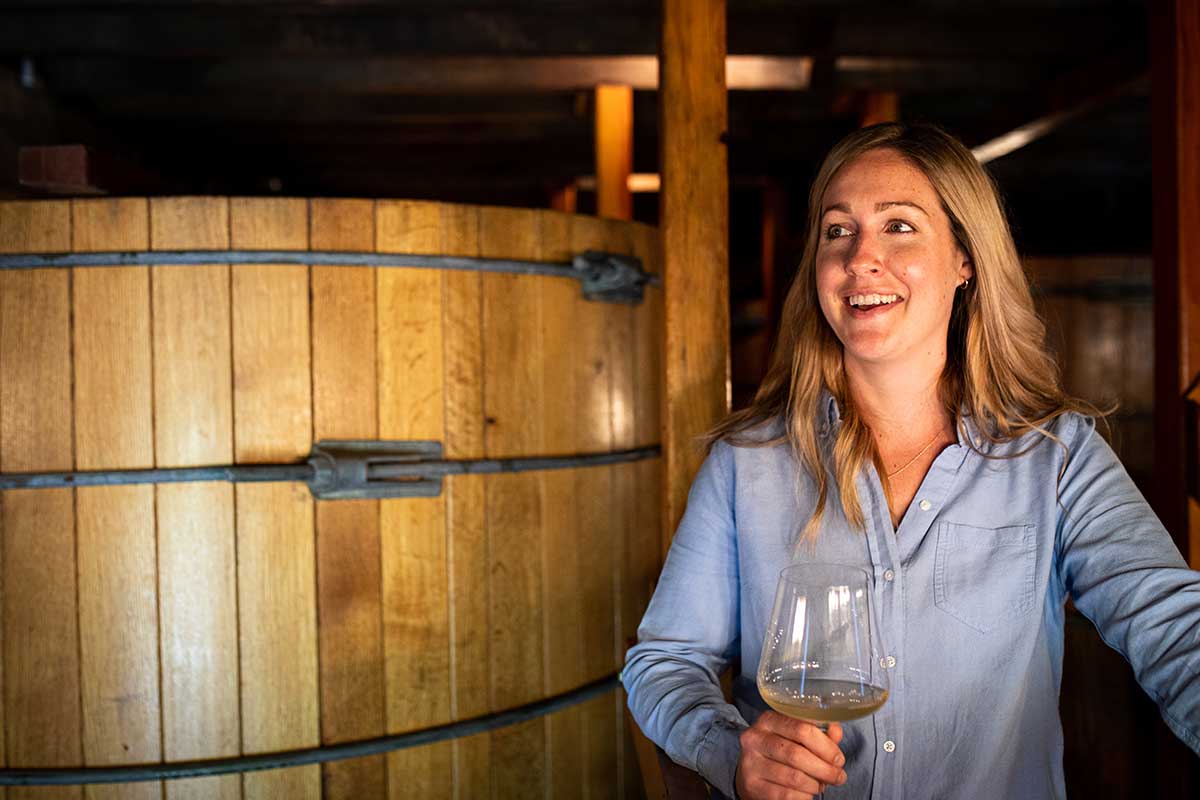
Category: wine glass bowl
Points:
column 817, row 662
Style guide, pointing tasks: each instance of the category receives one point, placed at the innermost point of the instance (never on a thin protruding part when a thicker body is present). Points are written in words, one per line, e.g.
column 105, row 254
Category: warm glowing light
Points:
column 637, row 182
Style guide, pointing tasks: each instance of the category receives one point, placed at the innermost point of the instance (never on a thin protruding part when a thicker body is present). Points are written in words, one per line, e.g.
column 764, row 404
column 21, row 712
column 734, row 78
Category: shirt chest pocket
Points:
column 984, row 577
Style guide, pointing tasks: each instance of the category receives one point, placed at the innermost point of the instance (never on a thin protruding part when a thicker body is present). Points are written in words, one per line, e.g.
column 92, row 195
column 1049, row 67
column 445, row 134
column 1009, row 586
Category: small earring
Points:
column 963, row 285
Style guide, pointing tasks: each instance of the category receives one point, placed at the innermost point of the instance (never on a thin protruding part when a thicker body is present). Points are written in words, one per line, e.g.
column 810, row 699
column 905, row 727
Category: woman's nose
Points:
column 864, row 257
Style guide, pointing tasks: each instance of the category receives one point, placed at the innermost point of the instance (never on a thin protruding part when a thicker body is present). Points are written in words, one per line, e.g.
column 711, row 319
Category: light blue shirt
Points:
column 970, row 596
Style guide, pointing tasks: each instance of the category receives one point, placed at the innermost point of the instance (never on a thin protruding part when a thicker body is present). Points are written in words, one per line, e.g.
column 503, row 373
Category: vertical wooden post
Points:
column 880, row 107
column 1176, row 130
column 1175, row 76
column 695, row 236
column 614, row 151
column 564, row 198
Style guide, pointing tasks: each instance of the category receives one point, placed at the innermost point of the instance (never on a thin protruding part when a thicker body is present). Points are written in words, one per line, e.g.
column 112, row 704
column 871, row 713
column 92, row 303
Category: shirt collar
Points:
column 966, row 431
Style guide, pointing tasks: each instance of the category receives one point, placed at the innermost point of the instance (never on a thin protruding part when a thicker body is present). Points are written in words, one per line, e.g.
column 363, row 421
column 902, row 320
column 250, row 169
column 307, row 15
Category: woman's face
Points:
column 887, row 264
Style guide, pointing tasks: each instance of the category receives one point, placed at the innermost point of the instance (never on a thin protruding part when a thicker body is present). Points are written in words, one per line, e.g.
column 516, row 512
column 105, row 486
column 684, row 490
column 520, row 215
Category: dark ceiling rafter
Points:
column 381, row 97
column 1077, row 92
column 512, row 28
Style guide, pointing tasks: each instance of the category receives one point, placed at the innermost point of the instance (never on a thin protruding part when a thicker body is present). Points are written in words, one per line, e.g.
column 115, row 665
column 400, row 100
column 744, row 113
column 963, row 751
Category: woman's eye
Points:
column 899, row 226
column 836, row 231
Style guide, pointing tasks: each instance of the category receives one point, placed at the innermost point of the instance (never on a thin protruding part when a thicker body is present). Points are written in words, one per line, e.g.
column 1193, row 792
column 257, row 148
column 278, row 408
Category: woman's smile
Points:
column 866, row 305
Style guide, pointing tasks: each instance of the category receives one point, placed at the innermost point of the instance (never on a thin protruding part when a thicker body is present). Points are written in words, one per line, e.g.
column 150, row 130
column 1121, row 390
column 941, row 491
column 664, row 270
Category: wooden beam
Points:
column 614, row 151
column 1046, row 124
column 1176, row 165
column 389, row 75
column 695, row 235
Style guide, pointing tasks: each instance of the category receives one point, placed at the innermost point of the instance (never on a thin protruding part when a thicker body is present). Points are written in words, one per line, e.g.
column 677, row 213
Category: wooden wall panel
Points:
column 118, row 580
column 467, row 544
column 193, row 413
column 415, row 572
column 514, row 412
column 562, row 597
column 275, row 537
column 40, row 665
column 348, row 573
column 1099, row 322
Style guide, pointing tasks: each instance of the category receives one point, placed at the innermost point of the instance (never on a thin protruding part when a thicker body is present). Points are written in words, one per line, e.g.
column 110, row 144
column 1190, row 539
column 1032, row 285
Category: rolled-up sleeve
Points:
column 690, row 633
column 1125, row 574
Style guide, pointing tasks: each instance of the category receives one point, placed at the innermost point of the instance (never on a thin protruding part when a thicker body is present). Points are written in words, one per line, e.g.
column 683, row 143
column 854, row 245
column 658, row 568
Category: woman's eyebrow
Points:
column 888, row 204
column 878, row 207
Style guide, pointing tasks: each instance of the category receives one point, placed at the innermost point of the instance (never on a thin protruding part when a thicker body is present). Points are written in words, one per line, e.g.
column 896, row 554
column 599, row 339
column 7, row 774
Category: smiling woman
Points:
column 911, row 386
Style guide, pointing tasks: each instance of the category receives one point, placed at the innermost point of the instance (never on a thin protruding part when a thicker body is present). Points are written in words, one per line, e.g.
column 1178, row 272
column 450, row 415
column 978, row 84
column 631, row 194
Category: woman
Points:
column 912, row 423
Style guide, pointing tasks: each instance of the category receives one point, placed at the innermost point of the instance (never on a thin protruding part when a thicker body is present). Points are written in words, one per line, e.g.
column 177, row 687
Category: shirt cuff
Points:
column 718, row 756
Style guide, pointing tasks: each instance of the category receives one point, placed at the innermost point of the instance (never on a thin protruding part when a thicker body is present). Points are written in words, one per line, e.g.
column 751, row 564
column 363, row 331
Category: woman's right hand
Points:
column 788, row 759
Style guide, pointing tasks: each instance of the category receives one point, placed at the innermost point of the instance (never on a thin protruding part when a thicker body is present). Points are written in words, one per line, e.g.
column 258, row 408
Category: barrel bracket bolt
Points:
column 611, row 277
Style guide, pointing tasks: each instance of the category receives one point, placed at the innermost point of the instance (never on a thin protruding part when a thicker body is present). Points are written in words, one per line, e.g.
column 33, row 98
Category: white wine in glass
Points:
column 817, row 661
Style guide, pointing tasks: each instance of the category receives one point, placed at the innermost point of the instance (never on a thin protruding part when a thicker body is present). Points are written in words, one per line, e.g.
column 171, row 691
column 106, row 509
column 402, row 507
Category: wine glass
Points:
column 817, row 660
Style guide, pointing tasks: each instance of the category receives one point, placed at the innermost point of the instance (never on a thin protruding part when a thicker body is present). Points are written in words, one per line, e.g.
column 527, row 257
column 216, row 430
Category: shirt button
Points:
column 888, row 575
column 888, row 662
column 926, row 505
column 889, row 746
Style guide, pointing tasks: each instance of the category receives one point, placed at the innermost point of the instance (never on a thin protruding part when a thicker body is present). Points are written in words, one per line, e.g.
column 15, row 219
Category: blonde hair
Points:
column 997, row 367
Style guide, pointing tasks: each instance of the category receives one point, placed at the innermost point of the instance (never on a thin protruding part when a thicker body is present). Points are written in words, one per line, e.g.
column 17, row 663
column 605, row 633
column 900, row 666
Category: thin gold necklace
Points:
column 909, row 463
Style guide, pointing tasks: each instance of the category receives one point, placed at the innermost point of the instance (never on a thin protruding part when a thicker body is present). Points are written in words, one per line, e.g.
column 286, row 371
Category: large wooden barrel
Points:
column 170, row 622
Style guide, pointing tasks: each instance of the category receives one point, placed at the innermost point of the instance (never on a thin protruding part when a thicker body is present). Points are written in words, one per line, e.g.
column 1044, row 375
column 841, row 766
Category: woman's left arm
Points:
column 1125, row 574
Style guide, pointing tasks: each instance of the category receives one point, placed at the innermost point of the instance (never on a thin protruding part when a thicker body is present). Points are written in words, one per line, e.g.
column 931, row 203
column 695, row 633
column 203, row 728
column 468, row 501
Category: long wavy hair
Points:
column 997, row 367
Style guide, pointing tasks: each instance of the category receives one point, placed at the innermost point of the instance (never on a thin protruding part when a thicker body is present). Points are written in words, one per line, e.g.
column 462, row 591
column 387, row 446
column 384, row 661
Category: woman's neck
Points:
column 898, row 400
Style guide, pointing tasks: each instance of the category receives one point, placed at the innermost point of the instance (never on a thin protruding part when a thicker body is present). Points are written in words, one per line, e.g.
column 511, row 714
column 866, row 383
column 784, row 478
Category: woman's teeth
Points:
column 859, row 300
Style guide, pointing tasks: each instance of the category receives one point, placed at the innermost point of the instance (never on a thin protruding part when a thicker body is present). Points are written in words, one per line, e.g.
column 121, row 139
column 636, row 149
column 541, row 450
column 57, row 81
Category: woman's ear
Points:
column 967, row 270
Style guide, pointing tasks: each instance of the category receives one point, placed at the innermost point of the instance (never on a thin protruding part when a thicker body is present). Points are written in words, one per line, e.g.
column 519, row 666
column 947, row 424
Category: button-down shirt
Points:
column 970, row 593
